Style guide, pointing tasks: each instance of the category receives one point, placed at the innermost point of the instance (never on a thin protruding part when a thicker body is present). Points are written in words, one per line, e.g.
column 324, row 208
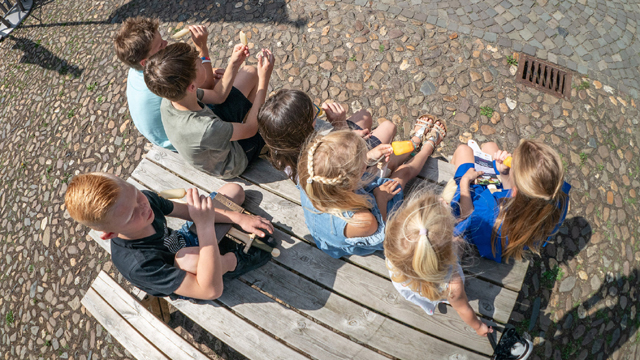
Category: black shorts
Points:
column 372, row 141
column 234, row 110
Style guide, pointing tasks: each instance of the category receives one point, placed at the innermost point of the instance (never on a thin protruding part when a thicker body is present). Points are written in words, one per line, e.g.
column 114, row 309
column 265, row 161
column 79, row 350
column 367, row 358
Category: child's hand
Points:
column 499, row 157
column 252, row 224
column 470, row 176
column 199, row 34
column 335, row 112
column 218, row 73
column 265, row 64
column 200, row 208
column 387, row 191
column 379, row 151
column 483, row 330
column 239, row 54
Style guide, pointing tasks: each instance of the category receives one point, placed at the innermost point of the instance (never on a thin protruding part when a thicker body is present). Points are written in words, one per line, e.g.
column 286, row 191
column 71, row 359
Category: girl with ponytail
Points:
column 422, row 256
column 530, row 207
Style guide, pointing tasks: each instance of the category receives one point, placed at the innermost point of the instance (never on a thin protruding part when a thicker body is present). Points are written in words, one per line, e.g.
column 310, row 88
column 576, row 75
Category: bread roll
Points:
column 181, row 33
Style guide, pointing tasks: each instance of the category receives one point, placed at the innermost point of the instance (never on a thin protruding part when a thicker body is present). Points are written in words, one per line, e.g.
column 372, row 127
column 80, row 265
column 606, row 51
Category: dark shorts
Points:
column 372, row 141
column 234, row 110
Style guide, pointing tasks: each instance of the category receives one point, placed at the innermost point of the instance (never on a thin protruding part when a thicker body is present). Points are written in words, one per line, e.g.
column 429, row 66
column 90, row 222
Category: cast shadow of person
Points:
column 255, row 11
column 37, row 54
column 605, row 326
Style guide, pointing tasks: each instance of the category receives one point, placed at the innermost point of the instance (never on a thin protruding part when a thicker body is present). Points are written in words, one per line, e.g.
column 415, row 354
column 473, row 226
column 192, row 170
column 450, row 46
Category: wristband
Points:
column 204, row 58
column 206, row 61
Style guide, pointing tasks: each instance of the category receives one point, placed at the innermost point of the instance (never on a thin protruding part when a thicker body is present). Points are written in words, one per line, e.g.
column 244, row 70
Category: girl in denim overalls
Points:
column 346, row 208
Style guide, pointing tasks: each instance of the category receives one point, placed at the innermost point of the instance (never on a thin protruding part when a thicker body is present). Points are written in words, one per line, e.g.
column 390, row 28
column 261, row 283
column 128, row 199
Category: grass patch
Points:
column 92, row 87
column 8, row 319
column 549, row 277
column 583, row 85
column 511, row 60
column 352, row 58
column 486, row 111
column 600, row 167
column 381, row 48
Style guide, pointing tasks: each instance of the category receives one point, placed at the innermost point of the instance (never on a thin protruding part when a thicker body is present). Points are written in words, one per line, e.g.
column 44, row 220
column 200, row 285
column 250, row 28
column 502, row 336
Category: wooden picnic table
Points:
column 305, row 304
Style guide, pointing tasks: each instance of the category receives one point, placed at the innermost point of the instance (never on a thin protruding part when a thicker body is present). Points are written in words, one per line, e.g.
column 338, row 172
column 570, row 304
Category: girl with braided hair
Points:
column 422, row 256
column 345, row 208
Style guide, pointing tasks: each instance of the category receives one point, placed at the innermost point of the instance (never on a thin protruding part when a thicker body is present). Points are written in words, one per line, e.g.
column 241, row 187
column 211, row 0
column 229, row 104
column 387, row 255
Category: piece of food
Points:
column 402, row 147
column 507, row 161
column 181, row 33
column 173, row 193
column 243, row 38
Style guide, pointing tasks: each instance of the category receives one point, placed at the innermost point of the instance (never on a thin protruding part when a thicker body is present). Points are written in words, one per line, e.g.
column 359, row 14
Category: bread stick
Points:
column 173, row 194
column 243, row 38
column 181, row 33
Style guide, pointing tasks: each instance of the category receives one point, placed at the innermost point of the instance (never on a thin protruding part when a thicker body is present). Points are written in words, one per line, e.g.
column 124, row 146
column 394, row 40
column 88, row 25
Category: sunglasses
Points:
column 319, row 112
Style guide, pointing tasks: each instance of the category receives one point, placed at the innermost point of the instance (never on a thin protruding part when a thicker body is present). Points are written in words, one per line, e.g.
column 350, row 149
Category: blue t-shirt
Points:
column 478, row 227
column 144, row 107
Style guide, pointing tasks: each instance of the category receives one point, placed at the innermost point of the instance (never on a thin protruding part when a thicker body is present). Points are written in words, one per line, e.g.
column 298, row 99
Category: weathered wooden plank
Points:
column 235, row 332
column 119, row 328
column 496, row 303
column 510, row 276
column 375, row 292
column 380, row 332
column 154, row 330
column 437, row 171
column 291, row 327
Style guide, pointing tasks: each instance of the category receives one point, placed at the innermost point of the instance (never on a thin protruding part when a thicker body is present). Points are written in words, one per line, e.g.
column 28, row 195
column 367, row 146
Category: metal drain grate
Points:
column 544, row 76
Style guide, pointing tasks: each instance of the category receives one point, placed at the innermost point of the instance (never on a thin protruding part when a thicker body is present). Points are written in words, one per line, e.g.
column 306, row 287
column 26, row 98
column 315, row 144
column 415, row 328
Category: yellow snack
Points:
column 507, row 161
column 173, row 193
column 181, row 33
column 243, row 38
column 402, row 147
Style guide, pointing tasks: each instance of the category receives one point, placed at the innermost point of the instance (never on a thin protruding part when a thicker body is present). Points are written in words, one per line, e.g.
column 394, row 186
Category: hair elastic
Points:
column 423, row 231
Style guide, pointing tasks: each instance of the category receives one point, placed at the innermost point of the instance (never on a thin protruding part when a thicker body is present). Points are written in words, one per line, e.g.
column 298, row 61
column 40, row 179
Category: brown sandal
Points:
column 437, row 134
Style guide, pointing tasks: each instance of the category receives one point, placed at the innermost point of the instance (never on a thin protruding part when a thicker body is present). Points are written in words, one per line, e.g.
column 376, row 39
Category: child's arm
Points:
column 458, row 300
column 223, row 87
column 250, row 126
column 249, row 223
column 365, row 224
column 199, row 34
column 466, row 205
column 383, row 194
column 207, row 282
column 504, row 170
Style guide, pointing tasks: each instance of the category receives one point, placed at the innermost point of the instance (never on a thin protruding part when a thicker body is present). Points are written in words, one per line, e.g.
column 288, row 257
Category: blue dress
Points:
column 328, row 230
column 478, row 227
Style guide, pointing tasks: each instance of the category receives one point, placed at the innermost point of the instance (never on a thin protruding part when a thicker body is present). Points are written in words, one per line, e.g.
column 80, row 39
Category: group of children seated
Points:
column 219, row 122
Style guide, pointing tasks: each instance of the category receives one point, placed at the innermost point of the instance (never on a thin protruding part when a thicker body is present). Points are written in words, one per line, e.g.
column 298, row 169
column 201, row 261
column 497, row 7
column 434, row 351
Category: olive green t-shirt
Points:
column 203, row 139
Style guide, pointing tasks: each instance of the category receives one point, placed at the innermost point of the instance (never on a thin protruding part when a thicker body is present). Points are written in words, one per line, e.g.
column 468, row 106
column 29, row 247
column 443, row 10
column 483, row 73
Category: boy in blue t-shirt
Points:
column 138, row 39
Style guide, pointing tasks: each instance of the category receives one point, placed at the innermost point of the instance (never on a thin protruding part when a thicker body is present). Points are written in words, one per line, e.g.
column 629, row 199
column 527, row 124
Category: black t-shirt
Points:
column 148, row 263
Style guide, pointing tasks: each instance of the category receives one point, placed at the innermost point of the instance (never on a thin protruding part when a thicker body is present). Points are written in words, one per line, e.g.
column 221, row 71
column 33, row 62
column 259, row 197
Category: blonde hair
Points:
column 330, row 169
column 529, row 218
column 419, row 245
column 90, row 197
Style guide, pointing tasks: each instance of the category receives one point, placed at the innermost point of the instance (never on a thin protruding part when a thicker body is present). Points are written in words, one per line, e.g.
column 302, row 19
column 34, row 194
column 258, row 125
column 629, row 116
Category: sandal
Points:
column 437, row 134
column 425, row 123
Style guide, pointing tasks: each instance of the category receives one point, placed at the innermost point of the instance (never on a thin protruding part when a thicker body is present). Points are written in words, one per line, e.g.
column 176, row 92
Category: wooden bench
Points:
column 306, row 304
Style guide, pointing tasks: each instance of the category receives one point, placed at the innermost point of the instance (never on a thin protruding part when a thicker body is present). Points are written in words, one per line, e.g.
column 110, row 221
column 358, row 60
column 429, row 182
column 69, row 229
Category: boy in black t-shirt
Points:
column 153, row 257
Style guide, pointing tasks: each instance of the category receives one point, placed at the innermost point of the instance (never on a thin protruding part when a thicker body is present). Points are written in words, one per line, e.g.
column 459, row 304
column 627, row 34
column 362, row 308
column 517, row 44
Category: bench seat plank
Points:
column 291, row 327
column 154, row 330
column 496, row 304
column 351, row 319
column 119, row 328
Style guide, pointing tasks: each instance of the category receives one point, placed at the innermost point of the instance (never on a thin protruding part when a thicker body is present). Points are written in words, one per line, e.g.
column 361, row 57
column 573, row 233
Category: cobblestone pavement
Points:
column 594, row 37
column 63, row 111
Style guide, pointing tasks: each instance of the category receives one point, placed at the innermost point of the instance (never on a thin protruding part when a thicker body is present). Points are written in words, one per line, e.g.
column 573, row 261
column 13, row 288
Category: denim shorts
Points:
column 190, row 238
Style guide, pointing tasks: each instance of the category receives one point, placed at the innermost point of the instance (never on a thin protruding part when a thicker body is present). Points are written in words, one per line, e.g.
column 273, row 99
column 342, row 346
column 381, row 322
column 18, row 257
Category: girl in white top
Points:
column 422, row 257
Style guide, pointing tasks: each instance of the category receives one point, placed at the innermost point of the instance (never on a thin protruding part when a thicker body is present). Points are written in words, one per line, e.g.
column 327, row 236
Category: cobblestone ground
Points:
column 64, row 112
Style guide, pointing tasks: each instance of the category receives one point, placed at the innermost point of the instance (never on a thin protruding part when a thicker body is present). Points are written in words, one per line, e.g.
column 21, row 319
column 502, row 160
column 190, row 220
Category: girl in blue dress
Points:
column 345, row 208
column 530, row 207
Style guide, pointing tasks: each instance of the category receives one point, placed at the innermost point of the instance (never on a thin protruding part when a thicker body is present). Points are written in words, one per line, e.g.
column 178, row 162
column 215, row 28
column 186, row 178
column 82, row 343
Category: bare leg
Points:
column 385, row 132
column 362, row 118
column 233, row 191
column 462, row 155
column 247, row 81
column 490, row 148
column 187, row 260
